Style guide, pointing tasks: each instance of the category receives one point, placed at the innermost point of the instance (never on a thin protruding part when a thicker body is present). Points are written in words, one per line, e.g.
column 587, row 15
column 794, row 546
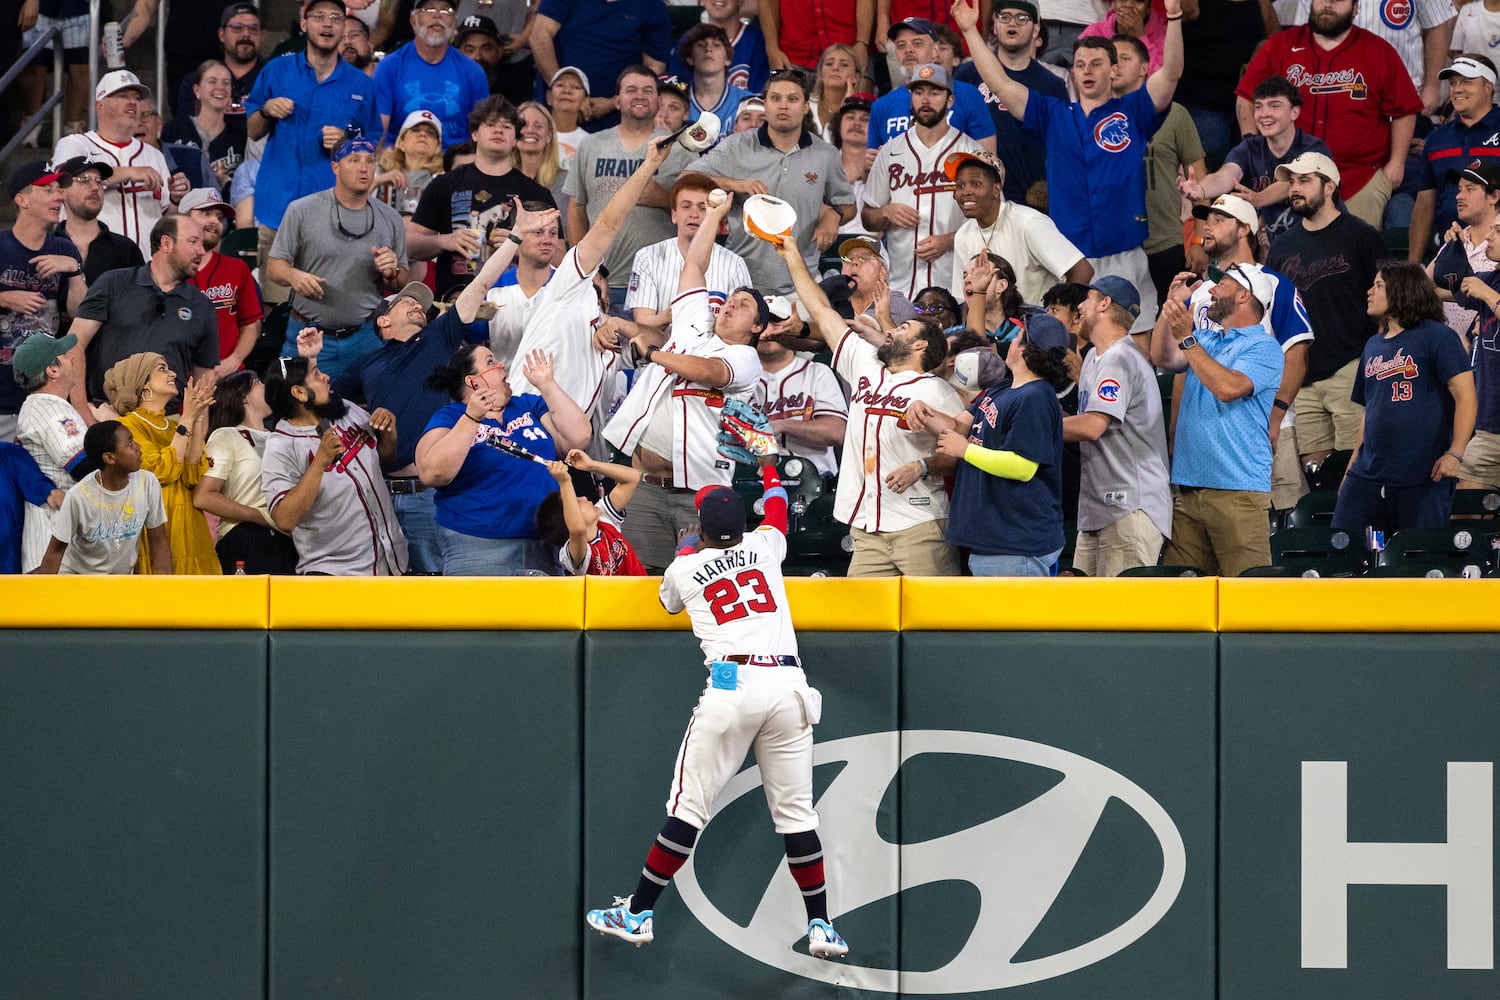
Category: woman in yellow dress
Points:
column 140, row 389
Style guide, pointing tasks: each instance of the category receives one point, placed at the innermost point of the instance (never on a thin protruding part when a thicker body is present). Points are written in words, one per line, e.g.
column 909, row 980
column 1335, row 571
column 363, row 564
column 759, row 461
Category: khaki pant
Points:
column 1327, row 418
column 920, row 550
column 271, row 292
column 1370, row 203
column 1481, row 462
column 1288, row 481
column 1223, row 532
column 1131, row 541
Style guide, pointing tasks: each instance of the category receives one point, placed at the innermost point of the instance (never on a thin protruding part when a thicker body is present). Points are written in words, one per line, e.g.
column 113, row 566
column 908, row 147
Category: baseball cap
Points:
column 753, row 102
column 857, row 102
column 977, row 368
column 1021, row 5
column 866, row 243
column 721, row 514
column 411, row 290
column 120, row 79
column 40, row 350
column 308, row 5
column 37, row 175
column 450, row 4
column 672, row 83
column 238, row 8
column 78, row 164
column 1046, row 331
column 930, row 74
column 583, row 77
column 986, row 160
column 779, row 307
column 1309, row 163
column 1233, row 206
column 421, row 117
column 204, row 198
column 477, row 23
column 1120, row 290
column 354, row 144
column 1254, row 278
column 920, row 25
column 1468, row 67
column 1485, row 173
column 762, row 308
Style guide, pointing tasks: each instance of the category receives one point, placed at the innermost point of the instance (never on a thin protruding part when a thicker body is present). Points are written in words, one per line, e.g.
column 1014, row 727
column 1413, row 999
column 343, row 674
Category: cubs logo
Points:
column 1396, row 13
column 1108, row 391
column 1112, row 134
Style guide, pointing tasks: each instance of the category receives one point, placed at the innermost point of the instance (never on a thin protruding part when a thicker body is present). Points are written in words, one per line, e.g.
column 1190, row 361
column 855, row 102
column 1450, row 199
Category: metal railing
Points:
column 53, row 103
column 164, row 100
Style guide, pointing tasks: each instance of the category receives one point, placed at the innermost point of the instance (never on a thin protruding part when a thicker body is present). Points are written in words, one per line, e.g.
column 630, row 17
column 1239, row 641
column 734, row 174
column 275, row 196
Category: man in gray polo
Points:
column 782, row 159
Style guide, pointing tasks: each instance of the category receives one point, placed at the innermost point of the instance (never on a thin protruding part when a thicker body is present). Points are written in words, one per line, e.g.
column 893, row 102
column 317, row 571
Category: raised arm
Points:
column 1162, row 84
column 700, row 249
column 1015, row 95
column 830, row 325
column 472, row 297
column 595, row 243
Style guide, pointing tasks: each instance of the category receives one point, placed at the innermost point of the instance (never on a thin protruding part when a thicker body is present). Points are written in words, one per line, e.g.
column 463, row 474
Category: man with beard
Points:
column 1356, row 96
column 1421, row 32
column 154, row 307
column 1040, row 255
column 341, row 251
column 1096, row 147
column 429, row 74
column 355, row 49
column 604, row 162
column 225, row 280
column 321, row 476
column 479, row 39
column 1024, row 154
column 240, row 35
column 138, row 190
column 1331, row 257
column 1125, row 494
column 1473, row 131
column 892, row 500
column 100, row 249
column 1221, row 456
column 304, row 104
column 915, row 41
column 907, row 195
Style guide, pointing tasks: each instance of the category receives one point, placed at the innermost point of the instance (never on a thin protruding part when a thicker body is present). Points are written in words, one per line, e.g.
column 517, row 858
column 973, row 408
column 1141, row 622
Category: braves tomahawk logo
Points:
column 1401, row 365
column 1336, row 81
column 1112, row 134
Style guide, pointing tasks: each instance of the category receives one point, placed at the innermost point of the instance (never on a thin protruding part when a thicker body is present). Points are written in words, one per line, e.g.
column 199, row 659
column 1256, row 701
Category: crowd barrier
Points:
column 1162, row 788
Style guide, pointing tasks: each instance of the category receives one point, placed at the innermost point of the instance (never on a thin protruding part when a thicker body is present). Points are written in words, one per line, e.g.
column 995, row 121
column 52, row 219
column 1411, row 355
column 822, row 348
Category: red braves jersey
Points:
column 1350, row 93
column 810, row 26
column 228, row 284
column 609, row 554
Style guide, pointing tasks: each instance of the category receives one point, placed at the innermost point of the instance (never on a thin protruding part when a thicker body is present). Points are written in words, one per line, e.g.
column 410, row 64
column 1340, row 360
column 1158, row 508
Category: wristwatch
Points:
column 183, row 430
column 1187, row 343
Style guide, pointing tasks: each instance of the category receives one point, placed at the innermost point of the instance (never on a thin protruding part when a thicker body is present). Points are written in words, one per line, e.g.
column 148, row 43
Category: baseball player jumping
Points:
column 757, row 694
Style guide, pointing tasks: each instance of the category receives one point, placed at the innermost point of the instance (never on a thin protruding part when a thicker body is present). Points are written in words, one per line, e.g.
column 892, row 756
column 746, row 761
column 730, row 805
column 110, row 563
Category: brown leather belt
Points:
column 664, row 483
column 759, row 660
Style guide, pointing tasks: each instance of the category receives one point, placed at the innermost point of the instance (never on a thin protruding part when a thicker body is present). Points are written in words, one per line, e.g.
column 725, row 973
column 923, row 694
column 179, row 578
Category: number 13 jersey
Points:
column 735, row 597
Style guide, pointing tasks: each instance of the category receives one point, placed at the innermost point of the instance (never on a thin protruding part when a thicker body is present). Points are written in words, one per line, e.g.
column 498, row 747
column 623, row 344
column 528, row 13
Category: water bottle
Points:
column 239, row 567
column 114, row 45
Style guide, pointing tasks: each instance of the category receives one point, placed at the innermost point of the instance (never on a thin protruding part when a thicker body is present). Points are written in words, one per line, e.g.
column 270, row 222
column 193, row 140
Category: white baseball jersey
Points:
column 564, row 314
column 909, row 172
column 878, row 441
column 131, row 209
column 803, row 390
column 660, row 401
column 513, row 311
column 1286, row 320
column 735, row 597
column 51, row 430
column 1400, row 22
column 1028, row 240
column 658, row 269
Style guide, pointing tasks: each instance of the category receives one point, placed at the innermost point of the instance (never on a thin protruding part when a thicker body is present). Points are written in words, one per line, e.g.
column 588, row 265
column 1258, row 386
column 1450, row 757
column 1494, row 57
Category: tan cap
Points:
column 1309, row 163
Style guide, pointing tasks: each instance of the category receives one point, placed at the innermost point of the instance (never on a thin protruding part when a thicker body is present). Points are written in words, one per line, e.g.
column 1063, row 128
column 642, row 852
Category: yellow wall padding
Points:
column 1390, row 605
column 224, row 602
column 427, row 602
column 1171, row 604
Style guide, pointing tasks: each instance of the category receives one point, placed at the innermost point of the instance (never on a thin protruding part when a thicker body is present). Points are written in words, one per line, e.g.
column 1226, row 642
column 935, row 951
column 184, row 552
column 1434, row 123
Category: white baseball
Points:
column 717, row 197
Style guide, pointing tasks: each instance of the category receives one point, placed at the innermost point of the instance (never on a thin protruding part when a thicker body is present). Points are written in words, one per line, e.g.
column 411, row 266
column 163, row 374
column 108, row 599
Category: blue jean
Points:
column 415, row 512
column 1363, row 503
column 336, row 355
column 470, row 555
column 981, row 565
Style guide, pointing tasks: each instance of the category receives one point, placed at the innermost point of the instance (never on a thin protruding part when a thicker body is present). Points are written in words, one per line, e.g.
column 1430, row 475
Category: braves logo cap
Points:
column 721, row 513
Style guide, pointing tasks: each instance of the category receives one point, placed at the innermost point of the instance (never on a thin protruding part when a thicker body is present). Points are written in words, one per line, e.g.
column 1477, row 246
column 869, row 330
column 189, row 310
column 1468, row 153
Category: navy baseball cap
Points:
column 1121, row 290
column 1046, row 331
column 762, row 310
column 721, row 514
column 920, row 25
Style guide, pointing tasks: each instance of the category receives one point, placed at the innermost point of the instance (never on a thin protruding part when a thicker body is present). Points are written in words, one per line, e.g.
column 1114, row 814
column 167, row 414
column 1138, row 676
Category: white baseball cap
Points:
column 1309, row 163
column 120, row 79
column 1254, row 278
column 204, row 197
column 421, row 117
column 1233, row 206
column 1466, row 67
column 779, row 307
column 583, row 77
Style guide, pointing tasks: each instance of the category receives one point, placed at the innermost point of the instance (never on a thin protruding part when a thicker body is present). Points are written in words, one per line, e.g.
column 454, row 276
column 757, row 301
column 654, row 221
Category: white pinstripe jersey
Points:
column 908, row 172
column 564, row 314
column 803, row 389
column 51, row 430
column 130, row 210
column 658, row 269
column 878, row 441
column 1400, row 22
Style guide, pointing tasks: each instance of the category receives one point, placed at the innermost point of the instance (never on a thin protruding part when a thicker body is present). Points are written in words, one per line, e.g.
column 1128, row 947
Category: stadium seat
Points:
column 1318, row 548
column 1470, row 505
column 1452, row 549
column 241, row 243
column 1415, row 568
column 1313, row 510
column 1162, row 571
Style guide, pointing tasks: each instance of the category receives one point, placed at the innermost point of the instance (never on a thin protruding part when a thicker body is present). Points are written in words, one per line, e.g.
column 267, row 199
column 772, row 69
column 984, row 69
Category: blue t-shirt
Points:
column 405, row 82
column 18, row 274
column 1403, row 386
column 295, row 163
column 495, row 495
column 891, row 115
column 21, row 483
column 1486, row 356
column 997, row 516
column 1024, row 155
column 602, row 37
column 393, row 376
column 1096, row 168
column 750, row 68
column 1227, row 446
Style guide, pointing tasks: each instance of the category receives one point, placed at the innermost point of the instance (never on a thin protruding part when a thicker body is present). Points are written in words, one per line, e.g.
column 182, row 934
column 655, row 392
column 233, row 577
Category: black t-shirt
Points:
column 228, row 147
column 1333, row 268
column 109, row 252
column 468, row 198
column 1215, row 49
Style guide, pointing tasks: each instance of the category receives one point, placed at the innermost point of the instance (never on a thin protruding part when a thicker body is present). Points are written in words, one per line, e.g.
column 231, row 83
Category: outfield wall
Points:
column 1155, row 788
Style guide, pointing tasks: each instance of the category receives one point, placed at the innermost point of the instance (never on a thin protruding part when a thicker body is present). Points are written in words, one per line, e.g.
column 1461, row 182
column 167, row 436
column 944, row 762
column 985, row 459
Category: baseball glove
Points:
column 745, row 433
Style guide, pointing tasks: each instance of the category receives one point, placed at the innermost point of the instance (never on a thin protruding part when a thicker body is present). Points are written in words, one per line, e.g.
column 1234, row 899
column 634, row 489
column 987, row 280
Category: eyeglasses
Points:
column 91, row 181
column 933, row 310
column 436, row 11
column 243, row 28
column 1013, row 17
column 859, row 260
column 325, row 17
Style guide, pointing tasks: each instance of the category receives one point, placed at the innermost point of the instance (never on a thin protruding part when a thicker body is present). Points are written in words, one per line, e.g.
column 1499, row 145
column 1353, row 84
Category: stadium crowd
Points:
column 470, row 288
